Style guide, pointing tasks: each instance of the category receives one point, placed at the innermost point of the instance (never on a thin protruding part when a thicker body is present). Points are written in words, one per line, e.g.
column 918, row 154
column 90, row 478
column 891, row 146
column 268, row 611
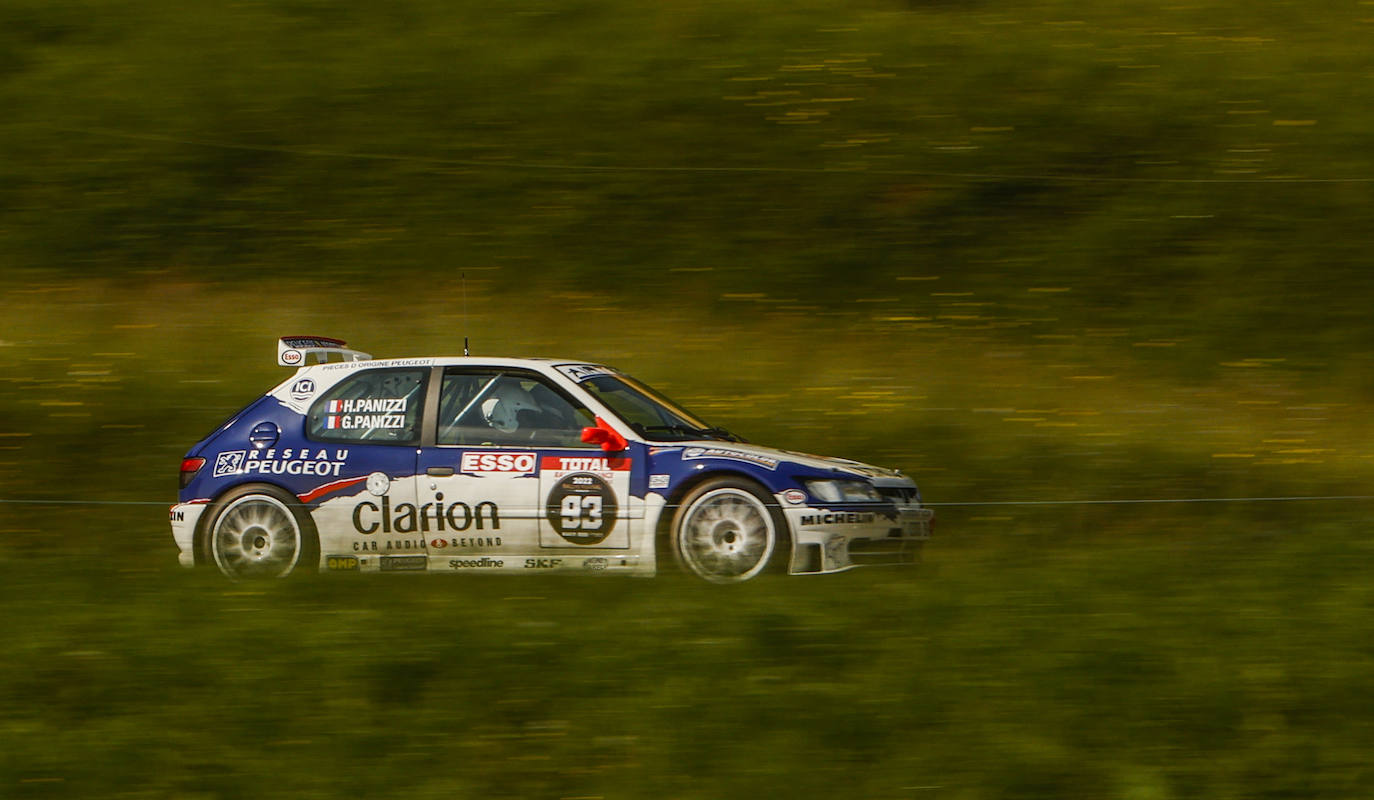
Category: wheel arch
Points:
column 685, row 488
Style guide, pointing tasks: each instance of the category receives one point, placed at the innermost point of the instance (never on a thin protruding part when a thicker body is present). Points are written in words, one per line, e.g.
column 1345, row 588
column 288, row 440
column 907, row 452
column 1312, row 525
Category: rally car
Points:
column 466, row 464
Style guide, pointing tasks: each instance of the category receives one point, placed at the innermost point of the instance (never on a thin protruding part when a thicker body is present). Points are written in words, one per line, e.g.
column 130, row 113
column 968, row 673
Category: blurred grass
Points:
column 1024, row 251
column 1169, row 665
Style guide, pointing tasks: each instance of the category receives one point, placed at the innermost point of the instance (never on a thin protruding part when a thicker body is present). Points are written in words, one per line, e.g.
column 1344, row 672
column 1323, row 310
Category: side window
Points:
column 490, row 407
column 377, row 406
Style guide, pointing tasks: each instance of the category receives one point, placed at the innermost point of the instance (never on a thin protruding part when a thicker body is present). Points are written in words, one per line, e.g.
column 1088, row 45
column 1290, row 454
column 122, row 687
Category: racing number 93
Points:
column 582, row 508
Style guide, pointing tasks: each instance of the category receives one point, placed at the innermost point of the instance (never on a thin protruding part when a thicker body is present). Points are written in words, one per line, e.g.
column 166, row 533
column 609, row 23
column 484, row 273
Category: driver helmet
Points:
column 501, row 410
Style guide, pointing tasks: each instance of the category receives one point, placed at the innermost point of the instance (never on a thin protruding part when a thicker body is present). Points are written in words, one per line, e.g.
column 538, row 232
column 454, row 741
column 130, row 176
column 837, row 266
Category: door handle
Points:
column 439, row 472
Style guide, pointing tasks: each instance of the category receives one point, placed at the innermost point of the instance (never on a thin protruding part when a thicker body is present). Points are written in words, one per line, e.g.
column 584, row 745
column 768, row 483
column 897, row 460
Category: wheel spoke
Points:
column 257, row 535
column 726, row 536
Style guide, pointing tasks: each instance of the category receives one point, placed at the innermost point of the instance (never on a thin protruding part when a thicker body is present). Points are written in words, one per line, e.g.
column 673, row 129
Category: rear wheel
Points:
column 728, row 531
column 261, row 532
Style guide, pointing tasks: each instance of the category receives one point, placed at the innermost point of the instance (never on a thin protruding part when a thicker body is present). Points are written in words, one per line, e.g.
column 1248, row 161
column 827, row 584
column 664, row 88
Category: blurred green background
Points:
column 1025, row 251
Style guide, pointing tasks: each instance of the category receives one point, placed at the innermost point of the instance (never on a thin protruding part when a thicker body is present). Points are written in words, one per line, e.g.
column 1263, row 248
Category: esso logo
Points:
column 438, row 544
column 498, row 462
column 794, row 496
column 291, row 357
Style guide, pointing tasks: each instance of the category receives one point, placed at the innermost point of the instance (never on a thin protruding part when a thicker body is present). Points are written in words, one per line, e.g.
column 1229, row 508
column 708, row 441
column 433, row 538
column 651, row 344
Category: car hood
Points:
column 760, row 454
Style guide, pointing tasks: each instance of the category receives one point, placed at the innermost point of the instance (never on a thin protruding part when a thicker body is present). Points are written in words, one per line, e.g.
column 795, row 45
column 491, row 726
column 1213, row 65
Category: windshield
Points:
column 652, row 415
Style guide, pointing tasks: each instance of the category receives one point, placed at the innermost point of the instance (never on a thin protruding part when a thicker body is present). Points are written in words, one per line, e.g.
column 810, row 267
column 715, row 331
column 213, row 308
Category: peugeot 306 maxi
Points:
column 466, row 464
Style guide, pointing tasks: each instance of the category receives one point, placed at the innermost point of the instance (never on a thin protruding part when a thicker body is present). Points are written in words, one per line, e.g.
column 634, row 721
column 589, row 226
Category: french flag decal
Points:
column 331, row 422
column 335, row 406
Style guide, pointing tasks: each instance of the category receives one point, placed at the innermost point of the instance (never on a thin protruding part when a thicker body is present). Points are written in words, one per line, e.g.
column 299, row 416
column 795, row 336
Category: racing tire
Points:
column 727, row 530
column 259, row 531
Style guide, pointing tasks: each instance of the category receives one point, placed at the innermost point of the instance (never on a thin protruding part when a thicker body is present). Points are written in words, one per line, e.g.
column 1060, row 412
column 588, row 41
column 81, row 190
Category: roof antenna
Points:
column 465, row 314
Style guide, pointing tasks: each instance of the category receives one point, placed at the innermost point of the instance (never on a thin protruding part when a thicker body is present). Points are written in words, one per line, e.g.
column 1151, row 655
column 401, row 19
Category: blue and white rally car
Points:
column 510, row 465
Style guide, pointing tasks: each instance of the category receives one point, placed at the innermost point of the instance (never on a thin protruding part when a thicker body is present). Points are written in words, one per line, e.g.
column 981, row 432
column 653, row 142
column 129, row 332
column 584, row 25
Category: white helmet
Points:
column 501, row 410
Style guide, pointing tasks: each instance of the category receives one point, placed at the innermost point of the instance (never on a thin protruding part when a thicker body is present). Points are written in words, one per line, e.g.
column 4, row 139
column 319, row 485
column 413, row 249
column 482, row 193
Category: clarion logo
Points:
column 498, row 462
column 368, row 517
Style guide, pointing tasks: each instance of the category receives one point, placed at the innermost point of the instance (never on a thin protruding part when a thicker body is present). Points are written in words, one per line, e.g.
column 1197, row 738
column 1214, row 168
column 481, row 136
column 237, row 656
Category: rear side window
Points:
column 376, row 406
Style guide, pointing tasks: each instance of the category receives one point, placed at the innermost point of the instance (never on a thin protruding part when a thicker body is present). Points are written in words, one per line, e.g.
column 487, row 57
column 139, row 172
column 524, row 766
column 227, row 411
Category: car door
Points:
column 496, row 431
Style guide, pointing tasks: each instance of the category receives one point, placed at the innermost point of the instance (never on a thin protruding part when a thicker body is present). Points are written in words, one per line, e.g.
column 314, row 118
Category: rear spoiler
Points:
column 293, row 350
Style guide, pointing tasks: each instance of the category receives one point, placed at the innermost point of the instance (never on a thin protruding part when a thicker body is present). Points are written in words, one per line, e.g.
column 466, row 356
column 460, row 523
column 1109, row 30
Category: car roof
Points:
column 296, row 351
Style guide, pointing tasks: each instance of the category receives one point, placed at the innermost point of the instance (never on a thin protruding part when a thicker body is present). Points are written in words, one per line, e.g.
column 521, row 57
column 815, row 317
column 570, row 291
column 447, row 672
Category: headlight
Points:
column 843, row 491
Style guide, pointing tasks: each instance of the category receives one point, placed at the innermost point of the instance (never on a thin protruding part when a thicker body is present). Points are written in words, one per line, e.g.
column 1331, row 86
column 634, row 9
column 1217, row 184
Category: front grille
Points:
column 875, row 552
column 921, row 519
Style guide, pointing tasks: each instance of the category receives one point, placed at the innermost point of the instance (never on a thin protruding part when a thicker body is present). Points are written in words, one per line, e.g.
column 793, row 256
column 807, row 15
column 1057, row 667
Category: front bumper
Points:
column 825, row 540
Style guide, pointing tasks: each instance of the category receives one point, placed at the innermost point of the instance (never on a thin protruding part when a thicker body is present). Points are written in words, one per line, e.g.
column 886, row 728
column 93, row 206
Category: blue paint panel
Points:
column 302, row 467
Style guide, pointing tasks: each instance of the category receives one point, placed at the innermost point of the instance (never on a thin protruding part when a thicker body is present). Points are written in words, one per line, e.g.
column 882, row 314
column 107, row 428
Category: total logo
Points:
column 586, row 464
column 478, row 463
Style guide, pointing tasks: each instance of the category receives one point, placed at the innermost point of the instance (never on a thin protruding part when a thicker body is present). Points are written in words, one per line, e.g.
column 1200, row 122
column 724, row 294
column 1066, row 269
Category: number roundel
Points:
column 582, row 508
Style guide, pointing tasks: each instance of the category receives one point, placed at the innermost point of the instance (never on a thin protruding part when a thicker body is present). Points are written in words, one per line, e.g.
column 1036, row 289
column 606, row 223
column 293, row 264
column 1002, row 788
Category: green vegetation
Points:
column 1183, row 663
column 1025, row 251
column 993, row 148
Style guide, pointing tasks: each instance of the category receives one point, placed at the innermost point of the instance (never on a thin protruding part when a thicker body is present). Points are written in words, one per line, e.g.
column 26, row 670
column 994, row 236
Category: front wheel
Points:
column 726, row 531
column 261, row 532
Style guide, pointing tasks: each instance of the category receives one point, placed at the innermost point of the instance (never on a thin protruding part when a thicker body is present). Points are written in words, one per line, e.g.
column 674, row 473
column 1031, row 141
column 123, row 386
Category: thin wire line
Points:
column 1155, row 501
column 1147, row 501
column 42, row 502
column 755, row 170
